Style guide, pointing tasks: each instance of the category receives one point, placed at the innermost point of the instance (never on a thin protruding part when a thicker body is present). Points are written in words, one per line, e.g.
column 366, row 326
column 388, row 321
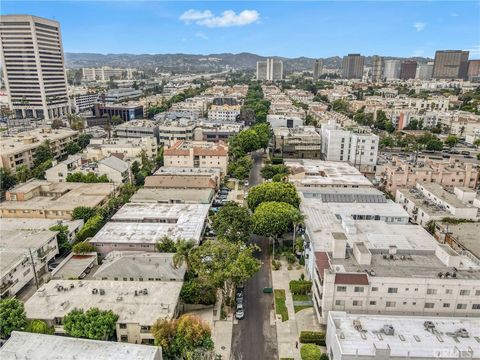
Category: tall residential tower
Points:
column 270, row 69
column 352, row 66
column 450, row 64
column 317, row 69
column 33, row 66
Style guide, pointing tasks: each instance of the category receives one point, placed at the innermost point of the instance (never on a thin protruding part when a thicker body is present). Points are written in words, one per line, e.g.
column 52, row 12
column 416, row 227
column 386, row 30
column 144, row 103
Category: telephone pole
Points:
column 33, row 266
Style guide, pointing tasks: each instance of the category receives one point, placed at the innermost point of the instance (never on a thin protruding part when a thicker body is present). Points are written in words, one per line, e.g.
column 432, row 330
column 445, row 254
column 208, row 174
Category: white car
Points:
column 240, row 313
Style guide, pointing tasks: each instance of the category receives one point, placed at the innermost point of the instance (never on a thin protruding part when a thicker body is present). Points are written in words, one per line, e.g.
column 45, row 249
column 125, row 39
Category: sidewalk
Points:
column 288, row 331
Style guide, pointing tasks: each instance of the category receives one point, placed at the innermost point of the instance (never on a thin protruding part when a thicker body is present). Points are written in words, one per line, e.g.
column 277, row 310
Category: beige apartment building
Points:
column 128, row 149
column 197, row 154
column 20, row 149
column 448, row 173
column 41, row 199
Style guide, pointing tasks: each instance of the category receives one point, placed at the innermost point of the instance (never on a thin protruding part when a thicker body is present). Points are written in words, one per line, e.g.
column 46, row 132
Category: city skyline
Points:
column 326, row 28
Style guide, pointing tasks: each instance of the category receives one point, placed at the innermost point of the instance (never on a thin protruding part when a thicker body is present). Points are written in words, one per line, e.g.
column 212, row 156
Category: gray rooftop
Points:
column 115, row 163
column 74, row 265
column 30, row 346
column 172, row 195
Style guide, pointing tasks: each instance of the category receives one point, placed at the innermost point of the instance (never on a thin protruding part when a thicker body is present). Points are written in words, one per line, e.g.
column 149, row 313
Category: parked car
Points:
column 240, row 313
column 465, row 152
column 52, row 266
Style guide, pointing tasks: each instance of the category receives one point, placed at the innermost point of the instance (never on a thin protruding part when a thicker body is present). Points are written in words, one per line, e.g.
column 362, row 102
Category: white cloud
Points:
column 195, row 15
column 419, row 26
column 226, row 19
column 201, row 35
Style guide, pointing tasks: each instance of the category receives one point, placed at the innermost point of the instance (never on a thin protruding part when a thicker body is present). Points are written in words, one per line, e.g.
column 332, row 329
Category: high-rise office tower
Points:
column 33, row 66
column 408, row 69
column 352, row 66
column 270, row 69
column 473, row 73
column 424, row 71
column 450, row 64
column 317, row 69
column 377, row 68
column 391, row 70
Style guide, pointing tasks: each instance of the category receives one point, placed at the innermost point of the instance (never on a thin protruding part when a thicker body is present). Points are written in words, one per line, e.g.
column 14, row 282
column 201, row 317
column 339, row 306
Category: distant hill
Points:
column 191, row 62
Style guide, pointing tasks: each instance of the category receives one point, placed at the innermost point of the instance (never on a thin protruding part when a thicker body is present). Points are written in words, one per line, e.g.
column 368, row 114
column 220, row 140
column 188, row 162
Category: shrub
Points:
column 195, row 291
column 300, row 286
column 312, row 337
column 290, row 258
column 91, row 227
column 276, row 265
column 302, row 261
column 83, row 247
column 310, row 352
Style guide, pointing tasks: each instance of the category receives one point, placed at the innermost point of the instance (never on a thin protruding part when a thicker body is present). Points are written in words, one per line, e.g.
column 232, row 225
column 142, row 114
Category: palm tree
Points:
column 297, row 220
column 182, row 256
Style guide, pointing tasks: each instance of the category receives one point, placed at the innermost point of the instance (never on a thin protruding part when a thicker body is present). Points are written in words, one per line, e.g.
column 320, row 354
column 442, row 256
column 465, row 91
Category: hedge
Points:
column 312, row 337
column 300, row 287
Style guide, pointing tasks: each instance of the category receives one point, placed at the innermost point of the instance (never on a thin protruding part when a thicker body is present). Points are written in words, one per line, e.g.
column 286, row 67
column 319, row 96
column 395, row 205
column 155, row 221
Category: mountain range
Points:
column 191, row 62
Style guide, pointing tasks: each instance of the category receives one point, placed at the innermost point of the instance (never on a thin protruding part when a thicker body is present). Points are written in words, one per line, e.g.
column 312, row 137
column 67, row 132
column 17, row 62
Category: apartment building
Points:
column 359, row 146
column 364, row 258
column 105, row 73
column 391, row 70
column 184, row 178
column 430, row 201
column 302, row 96
column 377, row 68
column 137, row 303
column 25, row 345
column 352, row 66
column 137, row 129
column 399, row 173
column 33, row 66
column 372, row 337
column 298, row 143
column 462, row 237
column 116, row 170
column 120, row 95
column 424, row 71
column 319, row 173
column 41, row 199
column 408, row 69
column 126, row 111
column 128, row 149
column 138, row 226
column 20, row 149
column 197, row 154
column 174, row 196
column 450, row 64
column 224, row 112
column 284, row 121
column 83, row 102
column 270, row 70
column 317, row 69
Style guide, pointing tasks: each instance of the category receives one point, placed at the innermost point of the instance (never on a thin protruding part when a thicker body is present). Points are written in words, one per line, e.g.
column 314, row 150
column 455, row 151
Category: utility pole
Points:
column 33, row 266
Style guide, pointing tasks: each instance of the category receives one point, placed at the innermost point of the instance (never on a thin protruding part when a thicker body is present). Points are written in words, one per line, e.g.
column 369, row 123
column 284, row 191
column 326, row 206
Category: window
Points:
column 339, row 302
column 373, row 302
column 390, row 304
column 341, row 288
column 431, row 291
column 461, row 306
column 122, row 326
column 392, row 290
column 429, row 305
column 477, row 293
column 464, row 292
column 358, row 288
column 357, row 303
column 449, row 291
column 124, row 338
column 476, row 307
column 446, row 305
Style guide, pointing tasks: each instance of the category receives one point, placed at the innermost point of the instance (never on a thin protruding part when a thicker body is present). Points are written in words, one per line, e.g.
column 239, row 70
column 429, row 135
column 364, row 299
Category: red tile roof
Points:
column 321, row 261
column 351, row 279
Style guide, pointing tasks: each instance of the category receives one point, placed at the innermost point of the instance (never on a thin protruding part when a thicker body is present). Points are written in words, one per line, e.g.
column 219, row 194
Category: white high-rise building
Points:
column 392, row 69
column 33, row 66
column 270, row 69
column 424, row 71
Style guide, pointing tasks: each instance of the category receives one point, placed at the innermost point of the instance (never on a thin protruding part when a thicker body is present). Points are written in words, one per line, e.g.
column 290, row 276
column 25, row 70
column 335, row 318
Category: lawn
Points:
column 300, row 297
column 280, row 307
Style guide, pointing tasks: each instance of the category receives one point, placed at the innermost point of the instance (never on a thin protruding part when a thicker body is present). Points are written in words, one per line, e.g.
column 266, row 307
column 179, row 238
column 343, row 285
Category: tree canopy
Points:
column 82, row 212
column 275, row 218
column 83, row 247
column 233, row 223
column 269, row 171
column 87, row 178
column 93, row 324
column 273, row 191
column 39, row 327
column 12, row 317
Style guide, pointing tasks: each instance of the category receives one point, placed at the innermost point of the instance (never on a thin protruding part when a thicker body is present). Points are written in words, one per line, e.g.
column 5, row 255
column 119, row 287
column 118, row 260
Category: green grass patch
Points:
column 280, row 306
column 301, row 297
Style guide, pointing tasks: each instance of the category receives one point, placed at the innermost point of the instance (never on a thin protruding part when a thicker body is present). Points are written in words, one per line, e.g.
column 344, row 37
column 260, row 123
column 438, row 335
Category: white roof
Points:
column 410, row 338
column 30, row 346
column 160, row 302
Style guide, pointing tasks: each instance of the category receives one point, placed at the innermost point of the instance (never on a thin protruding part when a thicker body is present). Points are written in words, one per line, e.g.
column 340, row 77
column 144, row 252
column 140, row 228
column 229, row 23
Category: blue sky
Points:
column 288, row 28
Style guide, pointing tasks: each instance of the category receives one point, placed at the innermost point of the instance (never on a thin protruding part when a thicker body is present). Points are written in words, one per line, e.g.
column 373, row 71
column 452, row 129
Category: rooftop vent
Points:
column 388, row 330
column 429, row 326
column 94, row 291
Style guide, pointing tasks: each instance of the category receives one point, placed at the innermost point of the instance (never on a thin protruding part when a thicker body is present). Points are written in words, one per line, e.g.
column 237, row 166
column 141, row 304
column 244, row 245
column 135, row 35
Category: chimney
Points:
column 339, row 245
column 392, row 250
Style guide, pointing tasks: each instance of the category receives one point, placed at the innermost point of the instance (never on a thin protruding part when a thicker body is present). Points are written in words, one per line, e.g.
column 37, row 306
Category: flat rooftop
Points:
column 119, row 296
column 441, row 193
column 147, row 223
column 135, row 264
column 410, row 338
column 418, row 199
column 467, row 235
column 30, row 346
column 73, row 266
column 197, row 196
column 344, row 195
column 168, row 170
column 306, row 172
column 31, row 139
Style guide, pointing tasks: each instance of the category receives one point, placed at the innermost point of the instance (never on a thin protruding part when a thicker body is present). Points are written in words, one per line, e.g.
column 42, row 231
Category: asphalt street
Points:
column 253, row 337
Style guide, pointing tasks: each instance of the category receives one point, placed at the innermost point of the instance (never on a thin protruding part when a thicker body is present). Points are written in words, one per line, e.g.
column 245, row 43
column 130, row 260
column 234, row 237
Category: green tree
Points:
column 224, row 264
column 247, row 140
column 183, row 338
column 183, row 249
column 310, row 352
column 451, row 141
column 22, row 174
column 7, row 180
column 196, row 291
column 57, row 124
column 159, row 158
column 233, row 223
column 62, row 238
column 274, row 218
column 43, row 153
column 116, row 120
column 166, row 245
column 84, row 140
column 82, row 212
column 91, row 227
column 12, row 317
column 263, row 132
column 340, row 106
column 93, row 324
column 273, row 191
column 72, row 148
column 434, row 144
column 269, row 171
column 39, row 327
column 87, row 178
column 83, row 247
column 240, row 168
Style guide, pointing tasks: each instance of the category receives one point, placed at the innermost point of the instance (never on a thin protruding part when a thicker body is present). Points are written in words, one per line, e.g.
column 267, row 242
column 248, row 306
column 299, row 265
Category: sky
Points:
column 268, row 28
